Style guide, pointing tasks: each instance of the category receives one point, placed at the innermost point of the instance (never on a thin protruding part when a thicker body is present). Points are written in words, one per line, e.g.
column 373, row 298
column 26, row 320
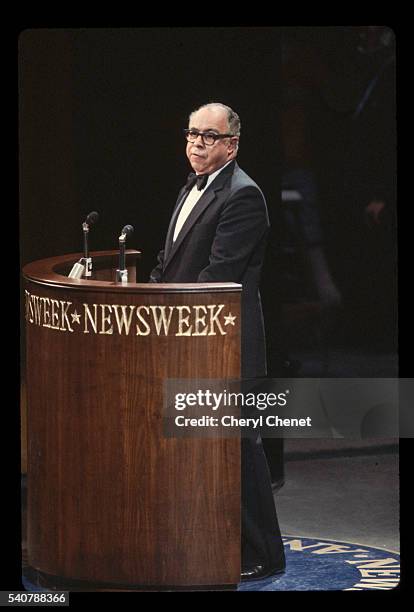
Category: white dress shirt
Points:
column 191, row 200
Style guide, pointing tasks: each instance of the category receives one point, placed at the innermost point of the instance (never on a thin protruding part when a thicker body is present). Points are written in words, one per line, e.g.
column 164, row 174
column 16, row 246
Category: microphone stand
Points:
column 83, row 267
column 122, row 272
column 86, row 259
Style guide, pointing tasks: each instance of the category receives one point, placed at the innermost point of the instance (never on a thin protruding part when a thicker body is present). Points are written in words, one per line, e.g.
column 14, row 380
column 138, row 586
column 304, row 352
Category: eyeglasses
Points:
column 209, row 138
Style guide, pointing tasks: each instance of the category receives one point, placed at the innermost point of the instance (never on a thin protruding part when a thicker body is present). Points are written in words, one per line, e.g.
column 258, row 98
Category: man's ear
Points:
column 233, row 145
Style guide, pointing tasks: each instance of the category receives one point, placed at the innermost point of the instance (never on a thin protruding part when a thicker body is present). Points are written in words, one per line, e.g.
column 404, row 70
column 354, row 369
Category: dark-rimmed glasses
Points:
column 209, row 138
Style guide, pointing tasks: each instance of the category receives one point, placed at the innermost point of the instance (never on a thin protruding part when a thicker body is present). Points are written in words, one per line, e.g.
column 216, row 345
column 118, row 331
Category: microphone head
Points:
column 92, row 218
column 127, row 230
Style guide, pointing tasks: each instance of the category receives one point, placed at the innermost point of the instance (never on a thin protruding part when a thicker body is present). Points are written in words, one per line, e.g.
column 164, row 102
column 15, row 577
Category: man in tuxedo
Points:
column 218, row 233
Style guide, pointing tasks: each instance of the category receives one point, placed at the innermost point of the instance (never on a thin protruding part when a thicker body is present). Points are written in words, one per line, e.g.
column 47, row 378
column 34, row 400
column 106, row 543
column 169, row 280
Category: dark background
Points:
column 101, row 119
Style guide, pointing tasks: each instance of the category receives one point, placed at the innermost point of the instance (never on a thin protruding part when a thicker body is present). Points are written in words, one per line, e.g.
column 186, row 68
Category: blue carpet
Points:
column 33, row 588
column 328, row 565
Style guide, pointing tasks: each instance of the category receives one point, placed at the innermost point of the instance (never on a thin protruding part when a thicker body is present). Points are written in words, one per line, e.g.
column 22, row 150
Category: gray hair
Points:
column 233, row 118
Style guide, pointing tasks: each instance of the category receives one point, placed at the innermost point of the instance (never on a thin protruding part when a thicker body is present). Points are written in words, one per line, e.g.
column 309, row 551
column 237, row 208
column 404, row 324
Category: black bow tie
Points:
column 200, row 179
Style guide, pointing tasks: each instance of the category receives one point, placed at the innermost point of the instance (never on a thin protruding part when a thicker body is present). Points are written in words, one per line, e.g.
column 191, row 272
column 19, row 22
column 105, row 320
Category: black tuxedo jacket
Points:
column 223, row 240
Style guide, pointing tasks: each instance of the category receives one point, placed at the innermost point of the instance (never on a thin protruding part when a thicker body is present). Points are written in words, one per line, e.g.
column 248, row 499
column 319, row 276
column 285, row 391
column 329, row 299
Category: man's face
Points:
column 207, row 159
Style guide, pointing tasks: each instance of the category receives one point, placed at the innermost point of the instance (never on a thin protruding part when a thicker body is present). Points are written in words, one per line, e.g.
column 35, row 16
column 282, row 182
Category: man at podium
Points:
column 217, row 233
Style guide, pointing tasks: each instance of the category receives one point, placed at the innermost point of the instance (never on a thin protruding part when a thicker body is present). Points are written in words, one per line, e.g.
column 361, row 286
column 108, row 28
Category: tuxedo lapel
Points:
column 206, row 199
column 199, row 208
column 170, row 232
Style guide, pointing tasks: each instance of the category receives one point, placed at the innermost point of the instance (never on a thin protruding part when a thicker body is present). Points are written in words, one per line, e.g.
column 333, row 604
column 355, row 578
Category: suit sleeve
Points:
column 156, row 273
column 242, row 226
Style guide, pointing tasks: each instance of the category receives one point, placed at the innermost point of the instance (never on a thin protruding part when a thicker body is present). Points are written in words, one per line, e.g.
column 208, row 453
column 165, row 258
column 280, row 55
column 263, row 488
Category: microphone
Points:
column 127, row 230
column 91, row 219
column 122, row 272
column 84, row 266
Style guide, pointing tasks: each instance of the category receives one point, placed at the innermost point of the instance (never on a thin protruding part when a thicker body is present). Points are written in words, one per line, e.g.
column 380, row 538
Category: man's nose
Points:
column 199, row 141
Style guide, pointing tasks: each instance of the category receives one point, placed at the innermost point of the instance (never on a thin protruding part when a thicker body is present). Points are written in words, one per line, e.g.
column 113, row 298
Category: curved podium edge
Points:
column 45, row 272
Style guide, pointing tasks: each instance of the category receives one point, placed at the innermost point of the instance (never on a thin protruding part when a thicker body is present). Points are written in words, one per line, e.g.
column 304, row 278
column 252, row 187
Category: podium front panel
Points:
column 110, row 498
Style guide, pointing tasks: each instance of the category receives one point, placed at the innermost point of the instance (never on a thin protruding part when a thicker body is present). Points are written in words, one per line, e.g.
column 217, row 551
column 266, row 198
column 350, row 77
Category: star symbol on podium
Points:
column 229, row 320
column 75, row 316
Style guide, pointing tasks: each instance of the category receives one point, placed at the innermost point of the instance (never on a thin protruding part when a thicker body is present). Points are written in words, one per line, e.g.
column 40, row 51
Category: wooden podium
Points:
column 113, row 502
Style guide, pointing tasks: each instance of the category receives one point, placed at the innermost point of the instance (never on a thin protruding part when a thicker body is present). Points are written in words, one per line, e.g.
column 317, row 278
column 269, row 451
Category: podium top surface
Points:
column 53, row 272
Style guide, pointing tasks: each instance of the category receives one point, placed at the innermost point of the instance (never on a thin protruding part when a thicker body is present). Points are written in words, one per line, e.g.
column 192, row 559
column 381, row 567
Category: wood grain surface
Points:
column 110, row 498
